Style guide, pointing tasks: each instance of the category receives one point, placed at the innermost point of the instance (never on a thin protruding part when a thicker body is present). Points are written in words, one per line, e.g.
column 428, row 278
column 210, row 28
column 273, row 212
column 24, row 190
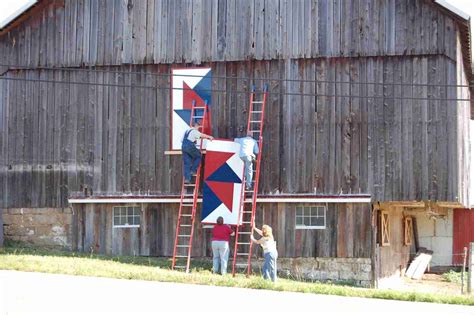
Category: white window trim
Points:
column 313, row 227
column 126, row 226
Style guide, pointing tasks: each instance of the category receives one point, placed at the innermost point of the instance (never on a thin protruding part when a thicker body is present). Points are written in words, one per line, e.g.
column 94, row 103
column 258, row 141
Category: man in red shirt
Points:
column 221, row 234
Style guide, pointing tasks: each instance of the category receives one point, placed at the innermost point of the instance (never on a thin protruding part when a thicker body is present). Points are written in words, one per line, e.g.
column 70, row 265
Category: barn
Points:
column 366, row 137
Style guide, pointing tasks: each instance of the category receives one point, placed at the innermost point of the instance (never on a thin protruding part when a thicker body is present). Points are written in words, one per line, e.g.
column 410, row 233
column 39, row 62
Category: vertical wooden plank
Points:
column 48, row 162
column 442, row 132
column 221, row 31
column 206, row 24
column 109, row 37
column 94, row 29
column 150, row 30
column 357, row 150
column 197, row 33
column 139, row 32
column 79, row 26
column 86, row 32
column 259, row 28
column 164, row 20
column 389, row 132
column 127, row 23
column 171, row 32
column 98, row 135
column 407, row 183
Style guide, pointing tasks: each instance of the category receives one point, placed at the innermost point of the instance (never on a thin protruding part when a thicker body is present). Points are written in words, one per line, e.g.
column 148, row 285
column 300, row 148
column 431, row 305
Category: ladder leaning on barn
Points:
column 243, row 244
column 183, row 242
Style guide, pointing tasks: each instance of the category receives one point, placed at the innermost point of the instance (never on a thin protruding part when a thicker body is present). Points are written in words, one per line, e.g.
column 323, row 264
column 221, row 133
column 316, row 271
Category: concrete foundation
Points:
column 356, row 271
column 41, row 226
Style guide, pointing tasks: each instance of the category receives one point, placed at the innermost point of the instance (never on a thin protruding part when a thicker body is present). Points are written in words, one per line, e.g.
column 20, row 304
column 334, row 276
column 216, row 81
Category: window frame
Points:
column 407, row 227
column 127, row 226
column 384, row 228
column 312, row 227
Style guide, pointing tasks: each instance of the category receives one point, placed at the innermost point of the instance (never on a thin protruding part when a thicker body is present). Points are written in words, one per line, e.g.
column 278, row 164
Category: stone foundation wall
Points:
column 39, row 226
column 356, row 271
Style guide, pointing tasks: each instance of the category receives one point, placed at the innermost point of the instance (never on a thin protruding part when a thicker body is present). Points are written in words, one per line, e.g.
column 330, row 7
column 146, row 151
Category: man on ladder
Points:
column 191, row 154
column 248, row 152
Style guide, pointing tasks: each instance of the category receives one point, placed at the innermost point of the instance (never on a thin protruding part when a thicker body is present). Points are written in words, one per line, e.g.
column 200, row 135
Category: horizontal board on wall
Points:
column 336, row 126
column 112, row 32
column 347, row 232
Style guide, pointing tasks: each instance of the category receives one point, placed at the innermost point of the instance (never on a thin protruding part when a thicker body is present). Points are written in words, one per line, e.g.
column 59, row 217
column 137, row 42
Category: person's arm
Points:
column 255, row 148
column 255, row 240
column 259, row 232
column 203, row 135
column 231, row 232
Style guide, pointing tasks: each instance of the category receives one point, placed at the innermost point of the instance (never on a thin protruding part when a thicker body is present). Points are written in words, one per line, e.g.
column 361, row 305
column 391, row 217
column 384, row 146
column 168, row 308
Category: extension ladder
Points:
column 183, row 241
column 248, row 204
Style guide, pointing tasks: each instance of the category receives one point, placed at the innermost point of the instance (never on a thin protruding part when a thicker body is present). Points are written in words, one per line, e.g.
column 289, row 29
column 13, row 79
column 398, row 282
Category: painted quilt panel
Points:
column 189, row 84
column 222, row 187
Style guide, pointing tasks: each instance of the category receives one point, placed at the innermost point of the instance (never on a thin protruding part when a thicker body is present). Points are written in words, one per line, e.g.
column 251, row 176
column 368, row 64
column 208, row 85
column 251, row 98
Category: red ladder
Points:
column 183, row 242
column 243, row 244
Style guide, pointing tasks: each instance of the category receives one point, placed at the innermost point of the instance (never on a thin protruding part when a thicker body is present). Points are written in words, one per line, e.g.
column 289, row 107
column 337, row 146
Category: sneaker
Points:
column 193, row 173
column 187, row 181
column 249, row 188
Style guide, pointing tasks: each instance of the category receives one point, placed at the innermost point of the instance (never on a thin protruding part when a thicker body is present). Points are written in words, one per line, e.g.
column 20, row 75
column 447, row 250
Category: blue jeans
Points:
column 270, row 266
column 191, row 159
column 248, row 163
column 220, row 253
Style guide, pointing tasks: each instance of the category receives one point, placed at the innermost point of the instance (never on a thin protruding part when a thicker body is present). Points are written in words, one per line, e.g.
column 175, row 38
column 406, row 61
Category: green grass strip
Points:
column 158, row 269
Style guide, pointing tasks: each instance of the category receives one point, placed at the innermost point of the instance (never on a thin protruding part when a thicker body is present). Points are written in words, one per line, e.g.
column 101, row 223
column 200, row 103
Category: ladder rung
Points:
column 186, row 215
column 254, row 130
column 246, row 211
column 245, row 233
column 187, row 204
column 182, row 245
column 181, row 256
column 256, row 111
column 240, row 243
column 255, row 121
column 246, row 222
column 198, row 117
column 189, row 184
column 242, row 254
column 185, row 225
column 199, row 107
column 184, row 235
column 257, row 102
column 241, row 265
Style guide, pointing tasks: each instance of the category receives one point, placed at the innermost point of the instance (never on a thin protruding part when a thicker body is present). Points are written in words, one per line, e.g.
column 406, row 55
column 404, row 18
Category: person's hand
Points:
column 211, row 138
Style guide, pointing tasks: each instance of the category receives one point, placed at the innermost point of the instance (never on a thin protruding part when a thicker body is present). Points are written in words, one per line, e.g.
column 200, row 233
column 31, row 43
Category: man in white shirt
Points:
column 248, row 150
column 191, row 154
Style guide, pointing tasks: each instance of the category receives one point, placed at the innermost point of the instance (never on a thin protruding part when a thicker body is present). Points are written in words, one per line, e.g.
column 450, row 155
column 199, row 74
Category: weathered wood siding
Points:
column 394, row 142
column 348, row 232
column 113, row 32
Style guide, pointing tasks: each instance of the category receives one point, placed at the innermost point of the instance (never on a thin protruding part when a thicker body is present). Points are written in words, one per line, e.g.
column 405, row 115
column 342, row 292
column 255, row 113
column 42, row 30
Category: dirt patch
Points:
column 431, row 283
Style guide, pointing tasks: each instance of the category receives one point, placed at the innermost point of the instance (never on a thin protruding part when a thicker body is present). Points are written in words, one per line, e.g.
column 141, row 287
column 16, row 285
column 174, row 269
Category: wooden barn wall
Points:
column 115, row 32
column 348, row 232
column 63, row 138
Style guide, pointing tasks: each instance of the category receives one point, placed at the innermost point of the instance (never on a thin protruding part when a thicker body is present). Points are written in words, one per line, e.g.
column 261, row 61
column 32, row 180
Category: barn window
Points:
column 408, row 226
column 385, row 228
column 311, row 217
column 126, row 217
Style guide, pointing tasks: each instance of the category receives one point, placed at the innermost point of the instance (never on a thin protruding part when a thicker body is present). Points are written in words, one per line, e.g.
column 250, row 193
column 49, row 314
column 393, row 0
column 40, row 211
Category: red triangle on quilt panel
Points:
column 214, row 160
column 224, row 191
column 189, row 96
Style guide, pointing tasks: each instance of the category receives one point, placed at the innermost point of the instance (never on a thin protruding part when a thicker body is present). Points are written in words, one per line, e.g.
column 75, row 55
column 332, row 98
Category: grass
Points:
column 15, row 257
column 453, row 276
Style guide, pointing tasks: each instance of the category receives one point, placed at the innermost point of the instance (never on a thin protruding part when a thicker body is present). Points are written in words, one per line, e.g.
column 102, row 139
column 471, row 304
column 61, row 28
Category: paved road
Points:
column 33, row 293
